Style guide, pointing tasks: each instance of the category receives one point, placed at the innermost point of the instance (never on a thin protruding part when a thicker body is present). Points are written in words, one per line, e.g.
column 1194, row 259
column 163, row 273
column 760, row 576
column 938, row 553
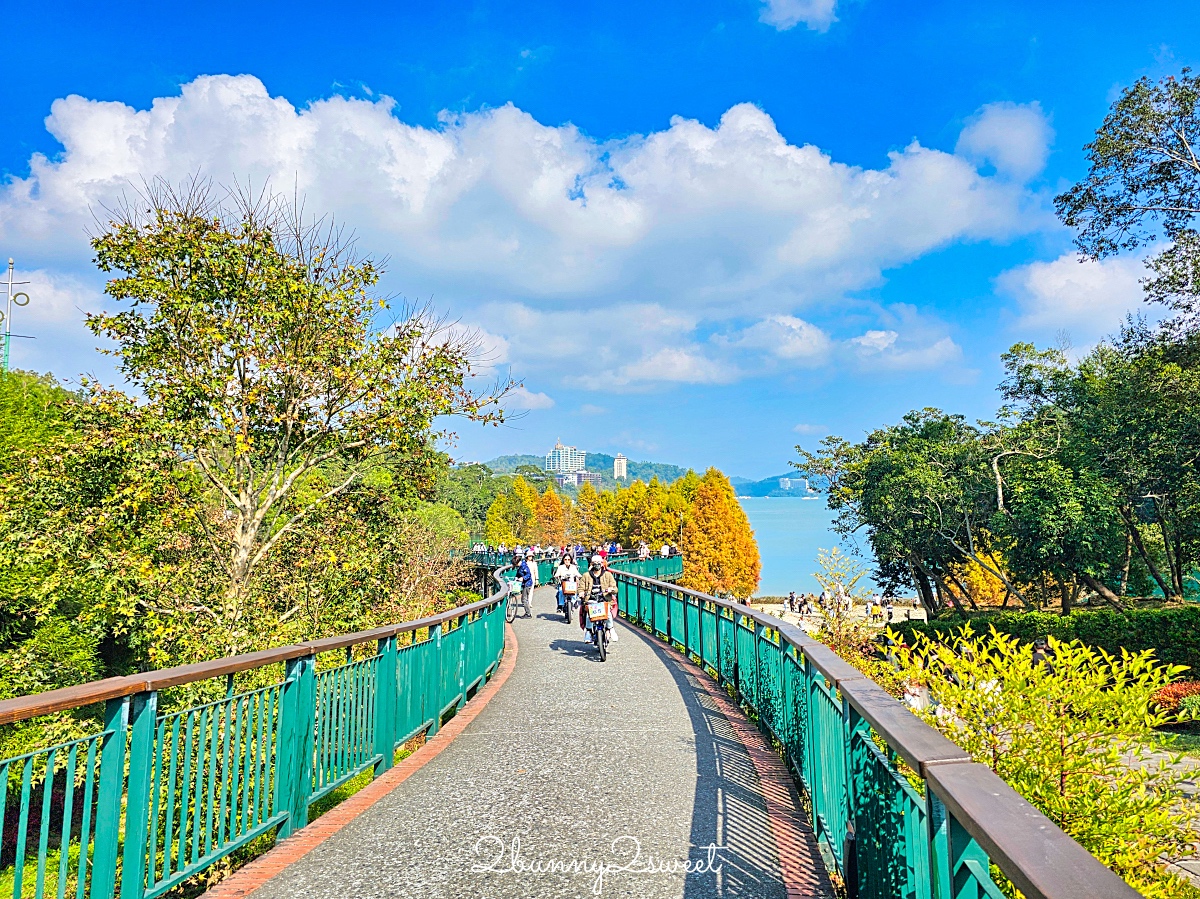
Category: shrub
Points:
column 1067, row 732
column 1173, row 633
column 1170, row 698
column 1189, row 707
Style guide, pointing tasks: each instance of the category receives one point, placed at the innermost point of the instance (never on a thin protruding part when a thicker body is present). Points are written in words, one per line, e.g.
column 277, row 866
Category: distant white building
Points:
column 578, row 479
column 785, row 483
column 620, row 467
column 565, row 459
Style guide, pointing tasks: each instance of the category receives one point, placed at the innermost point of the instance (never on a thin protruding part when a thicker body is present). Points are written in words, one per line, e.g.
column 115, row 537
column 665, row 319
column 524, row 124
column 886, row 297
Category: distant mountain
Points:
column 601, row 463
column 509, row 464
column 794, row 480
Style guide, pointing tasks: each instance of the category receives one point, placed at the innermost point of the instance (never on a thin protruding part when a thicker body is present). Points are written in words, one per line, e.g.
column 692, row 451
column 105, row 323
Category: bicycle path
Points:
column 634, row 777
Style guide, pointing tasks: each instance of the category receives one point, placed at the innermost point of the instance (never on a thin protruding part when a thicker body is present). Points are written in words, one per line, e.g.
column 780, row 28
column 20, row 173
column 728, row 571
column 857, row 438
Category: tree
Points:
column 264, row 357
column 719, row 552
column 1143, row 187
column 924, row 490
column 1131, row 431
column 470, row 490
column 551, row 525
column 587, row 525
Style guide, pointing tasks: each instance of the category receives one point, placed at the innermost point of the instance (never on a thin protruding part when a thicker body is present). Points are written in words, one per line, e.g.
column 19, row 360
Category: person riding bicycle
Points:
column 566, row 578
column 597, row 584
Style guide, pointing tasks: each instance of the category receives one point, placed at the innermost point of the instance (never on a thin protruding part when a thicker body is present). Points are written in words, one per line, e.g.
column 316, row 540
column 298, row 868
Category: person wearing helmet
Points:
column 596, row 582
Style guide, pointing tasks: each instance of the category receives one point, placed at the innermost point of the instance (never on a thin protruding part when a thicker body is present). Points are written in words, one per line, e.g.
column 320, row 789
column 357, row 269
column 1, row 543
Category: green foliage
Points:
column 1142, row 186
column 470, row 490
column 1068, row 734
column 264, row 357
column 1172, row 633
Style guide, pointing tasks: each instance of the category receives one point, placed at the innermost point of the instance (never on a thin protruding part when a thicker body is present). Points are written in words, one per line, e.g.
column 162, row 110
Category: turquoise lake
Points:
column 789, row 532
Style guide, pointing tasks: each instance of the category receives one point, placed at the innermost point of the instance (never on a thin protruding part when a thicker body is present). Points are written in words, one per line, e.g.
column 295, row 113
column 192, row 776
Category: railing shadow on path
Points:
column 728, row 808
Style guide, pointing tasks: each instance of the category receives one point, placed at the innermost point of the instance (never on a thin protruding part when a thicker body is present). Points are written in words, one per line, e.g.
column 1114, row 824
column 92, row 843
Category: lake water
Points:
column 789, row 532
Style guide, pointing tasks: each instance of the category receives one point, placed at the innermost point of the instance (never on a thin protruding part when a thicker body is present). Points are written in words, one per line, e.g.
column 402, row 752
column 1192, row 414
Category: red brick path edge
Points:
column 801, row 868
column 250, row 877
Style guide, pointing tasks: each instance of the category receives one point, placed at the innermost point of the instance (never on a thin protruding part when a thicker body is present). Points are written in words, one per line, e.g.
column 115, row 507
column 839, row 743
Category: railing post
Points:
column 110, row 789
column 463, row 652
column 857, row 795
column 937, row 832
column 294, row 746
column 143, row 716
column 386, row 701
column 435, row 689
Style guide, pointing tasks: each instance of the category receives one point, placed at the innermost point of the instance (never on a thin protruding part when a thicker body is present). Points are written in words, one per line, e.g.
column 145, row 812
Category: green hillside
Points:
column 601, row 463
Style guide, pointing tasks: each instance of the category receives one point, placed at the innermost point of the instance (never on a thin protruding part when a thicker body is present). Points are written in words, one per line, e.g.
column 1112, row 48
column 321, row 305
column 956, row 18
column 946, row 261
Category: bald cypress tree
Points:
column 720, row 554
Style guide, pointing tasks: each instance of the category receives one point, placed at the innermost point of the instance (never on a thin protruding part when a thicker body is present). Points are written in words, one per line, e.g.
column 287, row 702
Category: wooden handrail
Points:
column 1032, row 851
column 66, row 698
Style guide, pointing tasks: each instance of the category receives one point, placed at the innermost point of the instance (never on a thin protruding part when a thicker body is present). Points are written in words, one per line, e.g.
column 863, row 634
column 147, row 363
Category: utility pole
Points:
column 20, row 298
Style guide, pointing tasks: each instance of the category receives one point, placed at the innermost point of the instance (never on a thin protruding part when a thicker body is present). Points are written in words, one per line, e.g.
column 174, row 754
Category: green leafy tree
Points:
column 1143, row 187
column 263, row 356
column 470, row 490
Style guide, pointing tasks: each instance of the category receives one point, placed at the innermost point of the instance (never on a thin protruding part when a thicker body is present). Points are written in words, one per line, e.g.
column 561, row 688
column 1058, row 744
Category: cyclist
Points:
column 566, row 577
column 597, row 584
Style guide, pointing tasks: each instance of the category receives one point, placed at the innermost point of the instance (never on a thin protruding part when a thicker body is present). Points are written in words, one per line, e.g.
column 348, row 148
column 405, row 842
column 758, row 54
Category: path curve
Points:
column 573, row 766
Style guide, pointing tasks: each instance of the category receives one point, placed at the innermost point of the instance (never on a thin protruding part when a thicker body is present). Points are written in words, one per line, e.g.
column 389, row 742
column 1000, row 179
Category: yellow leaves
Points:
column 720, row 554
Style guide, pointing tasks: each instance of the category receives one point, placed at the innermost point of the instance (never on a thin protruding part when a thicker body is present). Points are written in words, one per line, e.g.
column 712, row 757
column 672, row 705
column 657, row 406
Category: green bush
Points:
column 1068, row 732
column 1173, row 633
column 1190, row 706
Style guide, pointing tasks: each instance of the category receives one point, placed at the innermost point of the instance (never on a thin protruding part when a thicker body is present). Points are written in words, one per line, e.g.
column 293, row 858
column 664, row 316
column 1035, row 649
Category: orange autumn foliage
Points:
column 720, row 554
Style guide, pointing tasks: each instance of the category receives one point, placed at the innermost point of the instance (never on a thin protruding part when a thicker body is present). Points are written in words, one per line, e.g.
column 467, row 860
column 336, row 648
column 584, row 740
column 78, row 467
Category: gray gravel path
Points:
column 569, row 767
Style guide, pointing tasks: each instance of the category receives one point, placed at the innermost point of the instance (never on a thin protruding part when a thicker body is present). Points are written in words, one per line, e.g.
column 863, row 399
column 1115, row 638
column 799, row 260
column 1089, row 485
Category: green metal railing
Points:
column 158, row 795
column 904, row 813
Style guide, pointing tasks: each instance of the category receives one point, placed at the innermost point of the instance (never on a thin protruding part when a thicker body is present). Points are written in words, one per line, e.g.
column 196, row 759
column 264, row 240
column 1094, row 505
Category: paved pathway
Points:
column 571, row 768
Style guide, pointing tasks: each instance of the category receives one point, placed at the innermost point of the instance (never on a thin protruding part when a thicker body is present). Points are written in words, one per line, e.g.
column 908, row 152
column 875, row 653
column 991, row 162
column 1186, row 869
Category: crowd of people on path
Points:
column 595, row 583
column 877, row 609
column 612, row 548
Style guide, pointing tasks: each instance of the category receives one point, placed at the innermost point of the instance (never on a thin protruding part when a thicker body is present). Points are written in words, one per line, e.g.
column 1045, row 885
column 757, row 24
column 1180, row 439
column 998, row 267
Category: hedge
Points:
column 1173, row 634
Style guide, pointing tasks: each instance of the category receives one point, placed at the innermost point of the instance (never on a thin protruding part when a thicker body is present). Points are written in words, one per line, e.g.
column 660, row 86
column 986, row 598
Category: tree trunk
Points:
column 965, row 592
column 946, row 591
column 1103, row 591
column 1136, row 536
column 924, row 590
column 1169, row 550
column 1128, row 562
column 1064, row 590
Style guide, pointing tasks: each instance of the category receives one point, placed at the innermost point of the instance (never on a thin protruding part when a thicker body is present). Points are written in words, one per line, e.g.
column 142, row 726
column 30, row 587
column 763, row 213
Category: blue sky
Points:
column 699, row 232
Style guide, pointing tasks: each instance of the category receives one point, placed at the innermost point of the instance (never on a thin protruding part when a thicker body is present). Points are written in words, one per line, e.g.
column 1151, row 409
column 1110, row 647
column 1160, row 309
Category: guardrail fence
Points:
column 904, row 812
column 159, row 794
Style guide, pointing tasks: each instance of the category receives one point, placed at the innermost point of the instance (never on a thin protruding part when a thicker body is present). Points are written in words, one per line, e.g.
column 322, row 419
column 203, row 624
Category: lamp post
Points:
column 19, row 298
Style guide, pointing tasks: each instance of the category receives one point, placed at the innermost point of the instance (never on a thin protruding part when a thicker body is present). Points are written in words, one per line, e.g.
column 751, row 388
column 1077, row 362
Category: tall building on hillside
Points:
column 565, row 459
column 620, row 467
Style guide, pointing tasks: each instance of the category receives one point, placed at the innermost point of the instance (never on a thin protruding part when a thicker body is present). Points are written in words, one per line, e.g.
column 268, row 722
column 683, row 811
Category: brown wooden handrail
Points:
column 66, row 698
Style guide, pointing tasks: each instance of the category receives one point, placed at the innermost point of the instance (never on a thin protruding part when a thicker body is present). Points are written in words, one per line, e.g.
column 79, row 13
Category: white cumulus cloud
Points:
column 1087, row 298
column 524, row 399
column 787, row 337
column 784, row 15
column 884, row 350
column 1014, row 138
column 579, row 255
